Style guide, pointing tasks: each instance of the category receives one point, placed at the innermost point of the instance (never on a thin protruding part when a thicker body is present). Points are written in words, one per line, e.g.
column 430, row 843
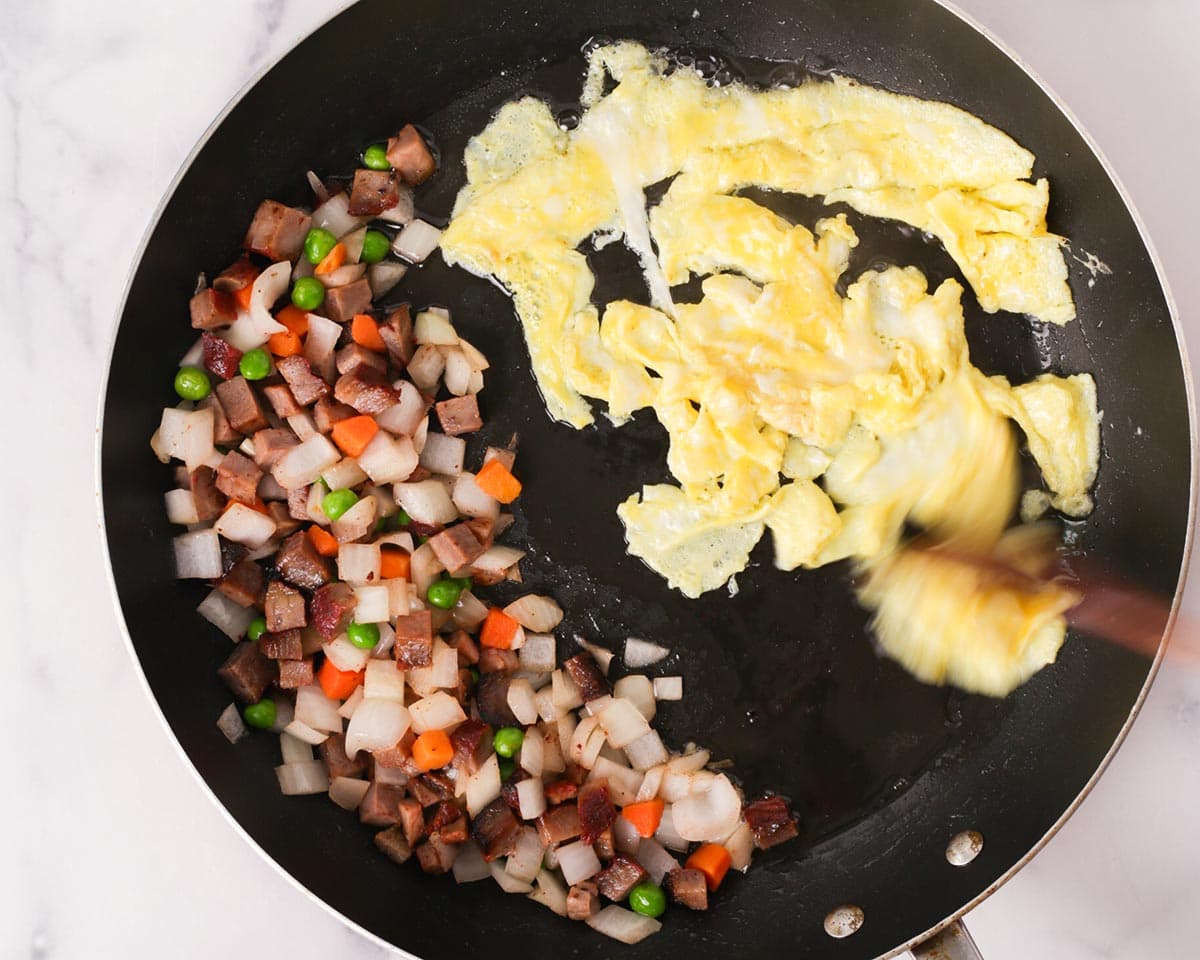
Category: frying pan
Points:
column 782, row 677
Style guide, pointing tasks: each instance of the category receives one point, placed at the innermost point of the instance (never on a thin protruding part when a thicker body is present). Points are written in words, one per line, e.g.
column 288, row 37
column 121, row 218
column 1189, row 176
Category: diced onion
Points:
column 344, row 474
column 564, row 691
column 383, row 276
column 550, row 892
column 283, row 715
column 602, row 655
column 317, row 710
column 497, row 559
column 231, row 724
column 655, row 860
column 387, row 636
column 244, row 525
column 347, row 792
column 253, row 328
column 197, row 555
column 372, row 604
column 535, row 612
column 404, row 416
column 525, row 860
column 181, row 507
column 623, row 723
column 470, row 612
column 443, row 454
column 302, row 425
column 710, row 812
column 626, row 838
column 334, row 215
column 195, row 353
column 416, row 241
column 297, row 779
column 472, row 501
column 346, row 273
column 667, row 834
column 294, row 750
column 359, row 563
column 577, row 861
column 304, row 463
column 552, row 757
column 383, row 681
column 458, row 372
column 344, row 655
column 319, row 344
column 186, row 435
column 623, row 925
column 651, row 781
column 740, row 845
column 388, row 459
column 484, row 786
column 521, row 702
column 230, row 618
column 639, row 691
column 426, row 366
column 438, row 711
column 434, row 326
column 347, row 709
column 647, row 751
column 508, row 884
column 475, row 359
column 537, row 655
column 533, row 753
column 424, row 568
column 376, row 725
column 443, row 671
column 668, row 688
column 426, row 501
column 642, row 653
column 623, row 783
column 402, row 212
column 689, row 762
column 302, row 731
column 469, row 865
column 547, row 709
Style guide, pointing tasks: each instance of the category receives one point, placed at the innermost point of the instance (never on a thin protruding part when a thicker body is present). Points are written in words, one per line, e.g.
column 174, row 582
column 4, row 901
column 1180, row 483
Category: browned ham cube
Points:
column 211, row 308
column 277, row 231
column 411, row 156
column 459, row 415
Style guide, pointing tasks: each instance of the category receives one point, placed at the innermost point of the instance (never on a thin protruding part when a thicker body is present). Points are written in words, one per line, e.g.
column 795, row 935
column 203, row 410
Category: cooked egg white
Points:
column 829, row 420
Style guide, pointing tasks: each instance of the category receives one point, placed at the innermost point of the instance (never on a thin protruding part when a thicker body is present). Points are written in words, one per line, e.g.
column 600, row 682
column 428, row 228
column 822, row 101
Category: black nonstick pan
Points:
column 782, row 677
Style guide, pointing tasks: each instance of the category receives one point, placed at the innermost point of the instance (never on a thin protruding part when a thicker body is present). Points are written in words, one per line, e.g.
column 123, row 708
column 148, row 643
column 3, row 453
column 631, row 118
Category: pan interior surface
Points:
column 781, row 677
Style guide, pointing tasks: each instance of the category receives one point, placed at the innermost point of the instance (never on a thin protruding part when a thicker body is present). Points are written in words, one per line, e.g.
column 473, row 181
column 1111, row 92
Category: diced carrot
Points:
column 255, row 504
column 365, row 332
column 645, row 815
column 323, row 541
column 713, row 861
column 499, row 630
column 432, row 749
column 338, row 684
column 354, row 433
column 242, row 296
column 286, row 344
column 497, row 481
column 294, row 319
column 333, row 259
column 395, row 564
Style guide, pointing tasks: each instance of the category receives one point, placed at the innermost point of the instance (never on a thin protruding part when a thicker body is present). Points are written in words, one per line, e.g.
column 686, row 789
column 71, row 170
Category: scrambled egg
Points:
column 830, row 420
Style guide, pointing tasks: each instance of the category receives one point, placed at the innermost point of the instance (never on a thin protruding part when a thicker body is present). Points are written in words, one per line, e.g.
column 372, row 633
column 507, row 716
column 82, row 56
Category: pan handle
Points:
column 951, row 943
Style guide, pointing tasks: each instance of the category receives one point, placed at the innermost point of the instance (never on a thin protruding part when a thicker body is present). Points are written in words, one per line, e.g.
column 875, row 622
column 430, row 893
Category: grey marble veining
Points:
column 111, row 848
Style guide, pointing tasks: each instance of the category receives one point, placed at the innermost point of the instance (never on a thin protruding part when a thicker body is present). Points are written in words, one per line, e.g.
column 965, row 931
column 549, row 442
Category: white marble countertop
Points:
column 112, row 849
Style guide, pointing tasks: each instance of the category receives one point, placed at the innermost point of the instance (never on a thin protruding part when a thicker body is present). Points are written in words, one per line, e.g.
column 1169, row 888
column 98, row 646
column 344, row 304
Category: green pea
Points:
column 648, row 899
column 363, row 635
column 255, row 364
column 508, row 740
column 191, row 383
column 474, row 672
column 507, row 769
column 402, row 518
column 308, row 293
column 317, row 244
column 444, row 594
column 375, row 157
column 261, row 714
column 465, row 582
column 375, row 247
column 337, row 502
column 258, row 626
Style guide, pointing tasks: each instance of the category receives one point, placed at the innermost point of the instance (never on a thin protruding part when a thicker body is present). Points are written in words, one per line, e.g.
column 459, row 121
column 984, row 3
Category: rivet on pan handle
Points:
column 953, row 943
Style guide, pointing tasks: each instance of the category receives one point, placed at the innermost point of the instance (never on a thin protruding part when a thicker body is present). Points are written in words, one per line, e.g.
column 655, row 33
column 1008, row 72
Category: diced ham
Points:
column 770, row 821
column 436, row 857
column 328, row 412
column 411, row 156
column 297, row 502
column 583, row 901
column 281, row 400
column 231, row 553
column 363, row 395
column 688, row 888
column 380, row 806
column 491, row 700
column 397, row 335
column 243, row 584
column 299, row 563
column 443, row 814
column 342, row 303
column 587, row 676
column 468, row 651
column 459, row 415
column 241, row 406
column 494, row 660
column 456, row 546
column 333, row 755
column 354, row 358
column 373, row 191
column 414, row 640
column 394, row 845
column 619, row 877
column 223, row 434
column 484, row 529
column 560, row 791
column 332, row 609
column 412, row 821
column 212, row 308
column 271, row 444
column 440, row 785
column 605, row 845
column 596, row 810
column 422, row 793
column 209, row 500
column 283, row 608
column 294, row 674
column 495, row 829
column 238, row 477
column 306, row 386
column 285, row 523
column 285, row 645
column 220, row 358
column 277, row 231
column 472, row 741
column 559, row 824
column 453, row 832
column 247, row 672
